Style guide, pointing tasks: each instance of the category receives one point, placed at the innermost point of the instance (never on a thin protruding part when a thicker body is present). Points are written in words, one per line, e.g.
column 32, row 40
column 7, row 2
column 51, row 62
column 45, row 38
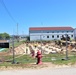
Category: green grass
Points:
column 16, row 43
column 26, row 59
column 58, row 59
column 71, row 61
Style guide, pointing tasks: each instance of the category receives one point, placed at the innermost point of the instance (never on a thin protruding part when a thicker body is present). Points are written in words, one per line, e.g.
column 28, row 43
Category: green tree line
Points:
column 4, row 36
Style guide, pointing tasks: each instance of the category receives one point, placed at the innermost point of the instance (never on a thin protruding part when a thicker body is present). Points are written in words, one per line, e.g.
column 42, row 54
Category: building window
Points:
column 57, row 36
column 52, row 36
column 47, row 36
column 71, row 31
column 52, row 32
column 71, row 35
column 47, row 32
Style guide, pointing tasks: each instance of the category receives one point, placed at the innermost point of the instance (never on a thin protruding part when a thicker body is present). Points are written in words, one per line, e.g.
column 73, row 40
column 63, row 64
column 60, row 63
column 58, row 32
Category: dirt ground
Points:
column 35, row 66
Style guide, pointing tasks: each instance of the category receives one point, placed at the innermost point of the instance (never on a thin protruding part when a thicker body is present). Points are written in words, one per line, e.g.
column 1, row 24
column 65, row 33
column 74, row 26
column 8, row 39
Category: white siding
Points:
column 43, row 36
column 75, row 32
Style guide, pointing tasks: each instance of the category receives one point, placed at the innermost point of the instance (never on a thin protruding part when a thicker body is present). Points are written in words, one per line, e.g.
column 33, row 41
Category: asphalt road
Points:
column 46, row 71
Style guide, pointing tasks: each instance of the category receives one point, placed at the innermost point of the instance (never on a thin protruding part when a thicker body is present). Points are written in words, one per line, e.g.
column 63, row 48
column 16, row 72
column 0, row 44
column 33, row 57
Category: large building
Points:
column 75, row 33
column 49, row 33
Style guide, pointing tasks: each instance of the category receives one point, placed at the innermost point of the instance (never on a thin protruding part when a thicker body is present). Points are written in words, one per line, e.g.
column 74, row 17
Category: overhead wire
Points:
column 2, row 2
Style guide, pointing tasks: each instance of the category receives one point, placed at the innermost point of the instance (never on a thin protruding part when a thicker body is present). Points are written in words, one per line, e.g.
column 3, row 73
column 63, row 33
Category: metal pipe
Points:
column 13, row 50
column 66, row 48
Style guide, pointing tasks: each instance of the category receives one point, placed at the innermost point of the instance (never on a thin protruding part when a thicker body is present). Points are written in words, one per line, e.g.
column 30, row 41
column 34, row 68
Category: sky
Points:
column 16, row 16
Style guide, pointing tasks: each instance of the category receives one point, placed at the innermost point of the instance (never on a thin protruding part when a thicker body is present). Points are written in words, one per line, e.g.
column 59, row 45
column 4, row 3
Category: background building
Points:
column 49, row 33
column 75, row 32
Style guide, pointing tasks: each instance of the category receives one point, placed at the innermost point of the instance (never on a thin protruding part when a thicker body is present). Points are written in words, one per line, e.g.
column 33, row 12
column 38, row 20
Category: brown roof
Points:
column 50, row 28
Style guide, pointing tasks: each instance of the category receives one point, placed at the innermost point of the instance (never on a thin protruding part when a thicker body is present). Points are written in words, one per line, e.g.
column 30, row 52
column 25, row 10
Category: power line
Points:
column 2, row 2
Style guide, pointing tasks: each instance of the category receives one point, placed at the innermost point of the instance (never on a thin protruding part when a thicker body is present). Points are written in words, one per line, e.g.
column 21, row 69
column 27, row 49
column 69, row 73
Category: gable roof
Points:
column 51, row 28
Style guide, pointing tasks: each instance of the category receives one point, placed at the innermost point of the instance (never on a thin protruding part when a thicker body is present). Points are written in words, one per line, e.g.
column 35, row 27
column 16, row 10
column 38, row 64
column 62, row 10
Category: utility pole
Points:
column 66, row 48
column 13, row 62
column 17, row 34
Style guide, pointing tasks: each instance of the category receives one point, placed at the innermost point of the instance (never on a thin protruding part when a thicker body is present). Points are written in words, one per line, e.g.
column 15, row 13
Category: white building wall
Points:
column 75, row 32
column 43, row 36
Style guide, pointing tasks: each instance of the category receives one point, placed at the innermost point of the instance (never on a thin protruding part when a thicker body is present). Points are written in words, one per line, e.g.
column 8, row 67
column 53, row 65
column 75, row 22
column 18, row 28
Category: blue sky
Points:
column 36, row 13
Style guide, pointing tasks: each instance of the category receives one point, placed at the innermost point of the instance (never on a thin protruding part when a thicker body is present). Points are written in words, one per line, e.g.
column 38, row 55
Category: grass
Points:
column 52, row 58
column 26, row 59
column 57, row 59
column 16, row 43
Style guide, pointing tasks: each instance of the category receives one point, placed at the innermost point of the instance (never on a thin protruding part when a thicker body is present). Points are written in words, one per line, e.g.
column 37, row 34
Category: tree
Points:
column 4, row 36
column 0, row 35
